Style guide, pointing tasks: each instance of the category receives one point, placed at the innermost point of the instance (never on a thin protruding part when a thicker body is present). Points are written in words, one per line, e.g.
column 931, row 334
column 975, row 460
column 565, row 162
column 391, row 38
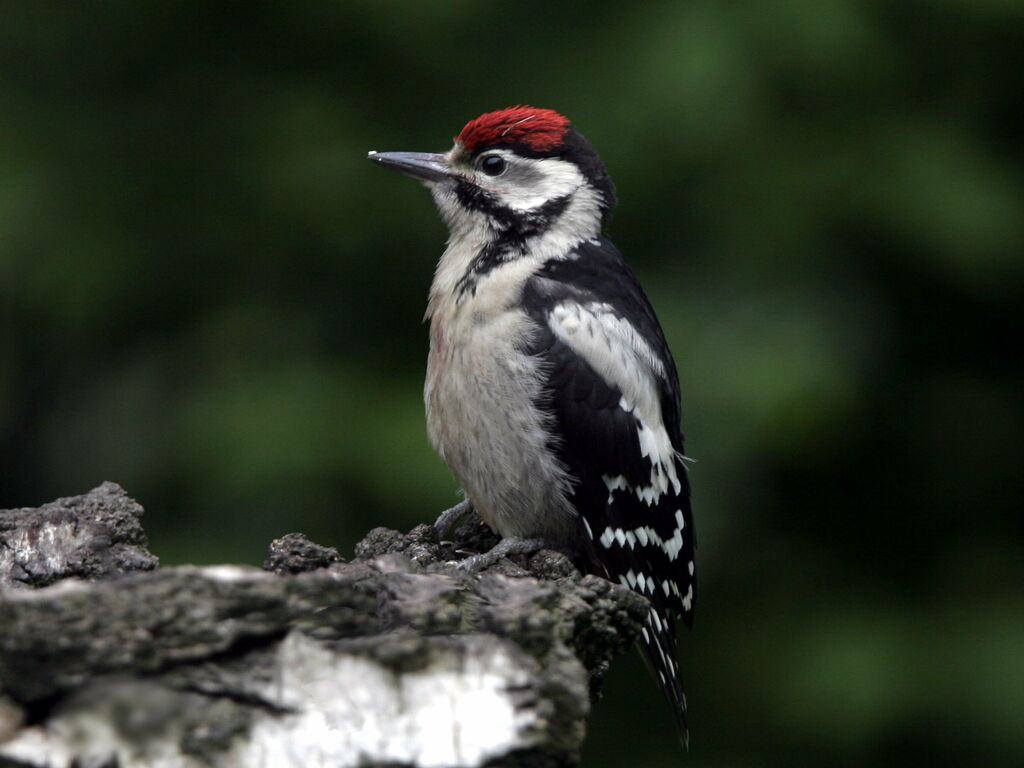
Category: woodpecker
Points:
column 551, row 393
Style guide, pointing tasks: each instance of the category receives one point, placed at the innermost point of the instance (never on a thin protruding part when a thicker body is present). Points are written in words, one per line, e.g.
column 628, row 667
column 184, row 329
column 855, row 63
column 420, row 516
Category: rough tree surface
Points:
column 396, row 658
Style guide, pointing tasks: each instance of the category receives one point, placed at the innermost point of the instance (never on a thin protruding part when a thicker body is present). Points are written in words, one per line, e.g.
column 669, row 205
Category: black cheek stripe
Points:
column 515, row 229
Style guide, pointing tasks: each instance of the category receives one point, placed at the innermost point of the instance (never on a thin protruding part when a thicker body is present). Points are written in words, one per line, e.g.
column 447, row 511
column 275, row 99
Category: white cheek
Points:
column 555, row 178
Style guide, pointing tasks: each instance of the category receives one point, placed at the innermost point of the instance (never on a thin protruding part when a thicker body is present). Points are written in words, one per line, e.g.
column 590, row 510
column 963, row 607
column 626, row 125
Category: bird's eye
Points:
column 493, row 165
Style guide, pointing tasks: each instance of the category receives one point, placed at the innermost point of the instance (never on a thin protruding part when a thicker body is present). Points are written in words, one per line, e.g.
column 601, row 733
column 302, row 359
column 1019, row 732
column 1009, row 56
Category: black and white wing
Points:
column 613, row 393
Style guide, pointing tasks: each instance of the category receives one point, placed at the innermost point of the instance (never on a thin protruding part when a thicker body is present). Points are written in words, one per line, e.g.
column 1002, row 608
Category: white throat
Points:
column 471, row 231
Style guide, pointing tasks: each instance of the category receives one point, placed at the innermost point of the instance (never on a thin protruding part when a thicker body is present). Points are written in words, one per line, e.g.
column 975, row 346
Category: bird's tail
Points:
column 658, row 645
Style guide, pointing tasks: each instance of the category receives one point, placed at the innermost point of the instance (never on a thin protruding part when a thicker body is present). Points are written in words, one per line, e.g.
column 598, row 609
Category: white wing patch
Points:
column 611, row 345
column 621, row 356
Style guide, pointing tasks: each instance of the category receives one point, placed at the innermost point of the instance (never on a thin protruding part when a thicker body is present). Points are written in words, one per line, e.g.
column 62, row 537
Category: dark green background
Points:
column 208, row 295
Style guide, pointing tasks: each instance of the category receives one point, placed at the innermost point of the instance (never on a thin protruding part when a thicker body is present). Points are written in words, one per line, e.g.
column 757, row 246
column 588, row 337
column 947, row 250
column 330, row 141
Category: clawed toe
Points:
column 504, row 548
column 473, row 564
column 450, row 518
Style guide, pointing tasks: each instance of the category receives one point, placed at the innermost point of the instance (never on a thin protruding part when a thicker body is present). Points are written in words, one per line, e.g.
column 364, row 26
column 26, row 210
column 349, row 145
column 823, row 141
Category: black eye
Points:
column 493, row 165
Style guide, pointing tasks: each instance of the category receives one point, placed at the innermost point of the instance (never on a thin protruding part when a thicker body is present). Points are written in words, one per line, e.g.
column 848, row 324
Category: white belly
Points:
column 480, row 397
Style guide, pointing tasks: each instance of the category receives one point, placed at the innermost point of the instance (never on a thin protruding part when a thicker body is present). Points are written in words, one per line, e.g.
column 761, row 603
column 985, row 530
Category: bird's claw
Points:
column 448, row 519
column 504, row 548
column 473, row 564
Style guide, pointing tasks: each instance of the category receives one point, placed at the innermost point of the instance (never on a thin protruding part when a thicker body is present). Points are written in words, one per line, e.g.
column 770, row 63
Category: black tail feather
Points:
column 658, row 646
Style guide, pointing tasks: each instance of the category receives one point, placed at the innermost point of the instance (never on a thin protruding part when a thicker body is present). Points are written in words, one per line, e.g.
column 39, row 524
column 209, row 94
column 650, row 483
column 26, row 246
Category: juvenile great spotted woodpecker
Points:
column 550, row 392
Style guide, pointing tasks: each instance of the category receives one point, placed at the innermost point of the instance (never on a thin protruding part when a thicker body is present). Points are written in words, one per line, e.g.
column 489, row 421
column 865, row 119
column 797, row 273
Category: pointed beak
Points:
column 427, row 166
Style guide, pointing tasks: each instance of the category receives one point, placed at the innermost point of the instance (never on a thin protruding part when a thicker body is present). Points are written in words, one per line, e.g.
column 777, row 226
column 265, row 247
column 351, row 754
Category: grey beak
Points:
column 428, row 166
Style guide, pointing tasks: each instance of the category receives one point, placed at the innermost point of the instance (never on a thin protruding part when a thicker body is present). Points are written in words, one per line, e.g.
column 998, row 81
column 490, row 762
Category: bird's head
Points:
column 516, row 171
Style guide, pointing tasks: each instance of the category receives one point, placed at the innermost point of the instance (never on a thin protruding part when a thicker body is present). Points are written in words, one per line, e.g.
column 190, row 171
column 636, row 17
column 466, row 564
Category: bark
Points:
column 395, row 658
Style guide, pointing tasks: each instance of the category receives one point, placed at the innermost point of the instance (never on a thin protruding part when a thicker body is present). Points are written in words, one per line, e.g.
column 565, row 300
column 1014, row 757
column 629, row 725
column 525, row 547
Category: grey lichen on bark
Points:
column 395, row 658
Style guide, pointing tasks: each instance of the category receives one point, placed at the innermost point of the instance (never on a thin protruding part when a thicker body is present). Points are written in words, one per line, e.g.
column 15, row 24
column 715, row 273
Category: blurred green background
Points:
column 208, row 295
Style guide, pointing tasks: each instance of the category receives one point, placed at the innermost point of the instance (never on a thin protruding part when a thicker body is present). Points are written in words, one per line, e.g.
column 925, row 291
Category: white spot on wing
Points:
column 646, row 535
column 617, row 483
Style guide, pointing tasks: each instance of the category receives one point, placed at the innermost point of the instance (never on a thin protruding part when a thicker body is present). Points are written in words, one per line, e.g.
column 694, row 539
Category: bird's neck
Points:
column 488, row 259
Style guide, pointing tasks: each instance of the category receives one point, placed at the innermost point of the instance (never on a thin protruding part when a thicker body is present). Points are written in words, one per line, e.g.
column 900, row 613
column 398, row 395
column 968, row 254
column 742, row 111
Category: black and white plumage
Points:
column 551, row 392
column 614, row 393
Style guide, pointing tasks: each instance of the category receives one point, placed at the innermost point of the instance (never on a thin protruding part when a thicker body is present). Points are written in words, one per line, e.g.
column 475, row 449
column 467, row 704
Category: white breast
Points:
column 480, row 397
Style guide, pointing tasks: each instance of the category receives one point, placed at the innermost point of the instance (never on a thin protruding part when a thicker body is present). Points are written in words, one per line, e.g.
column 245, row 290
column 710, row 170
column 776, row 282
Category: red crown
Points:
column 539, row 129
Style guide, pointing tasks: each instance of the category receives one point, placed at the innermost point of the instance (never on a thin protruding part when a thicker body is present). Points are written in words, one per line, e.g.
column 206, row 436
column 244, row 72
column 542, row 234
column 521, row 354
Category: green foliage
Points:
column 208, row 295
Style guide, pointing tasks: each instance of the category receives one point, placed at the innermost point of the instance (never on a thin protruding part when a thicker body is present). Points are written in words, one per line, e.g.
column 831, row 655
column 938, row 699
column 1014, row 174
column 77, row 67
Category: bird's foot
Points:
column 450, row 518
column 504, row 548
